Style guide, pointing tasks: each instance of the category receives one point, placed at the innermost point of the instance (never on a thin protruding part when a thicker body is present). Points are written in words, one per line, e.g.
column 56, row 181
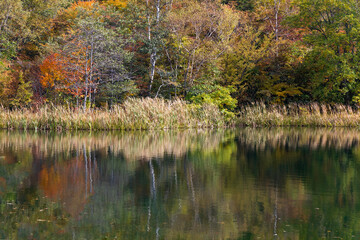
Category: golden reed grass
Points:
column 317, row 115
column 133, row 114
column 147, row 113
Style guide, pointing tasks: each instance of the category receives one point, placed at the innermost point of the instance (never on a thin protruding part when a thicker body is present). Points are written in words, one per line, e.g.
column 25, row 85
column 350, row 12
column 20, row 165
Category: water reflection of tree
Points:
column 219, row 185
column 310, row 161
column 65, row 168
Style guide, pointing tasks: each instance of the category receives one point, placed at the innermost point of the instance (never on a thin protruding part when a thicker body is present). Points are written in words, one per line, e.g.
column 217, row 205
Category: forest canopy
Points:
column 231, row 52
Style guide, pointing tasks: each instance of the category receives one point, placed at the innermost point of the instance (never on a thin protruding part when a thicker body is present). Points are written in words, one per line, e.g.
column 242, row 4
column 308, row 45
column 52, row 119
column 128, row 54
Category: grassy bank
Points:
column 162, row 114
column 317, row 115
column 132, row 114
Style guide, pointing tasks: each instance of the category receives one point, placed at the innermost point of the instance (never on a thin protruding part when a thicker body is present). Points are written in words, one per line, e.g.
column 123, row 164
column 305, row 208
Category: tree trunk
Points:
column 153, row 54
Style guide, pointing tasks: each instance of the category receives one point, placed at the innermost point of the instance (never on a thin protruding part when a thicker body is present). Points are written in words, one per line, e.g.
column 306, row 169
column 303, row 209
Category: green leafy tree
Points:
column 12, row 23
column 219, row 96
column 243, row 5
column 5, row 81
column 201, row 32
column 331, row 64
column 275, row 81
column 24, row 93
column 250, row 47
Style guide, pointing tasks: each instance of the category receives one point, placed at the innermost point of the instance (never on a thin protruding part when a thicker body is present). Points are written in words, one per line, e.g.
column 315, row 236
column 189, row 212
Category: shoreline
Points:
column 160, row 114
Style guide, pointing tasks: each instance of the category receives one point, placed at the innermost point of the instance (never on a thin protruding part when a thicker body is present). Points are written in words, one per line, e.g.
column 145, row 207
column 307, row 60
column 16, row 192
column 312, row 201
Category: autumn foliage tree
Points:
column 98, row 52
column 92, row 54
column 200, row 33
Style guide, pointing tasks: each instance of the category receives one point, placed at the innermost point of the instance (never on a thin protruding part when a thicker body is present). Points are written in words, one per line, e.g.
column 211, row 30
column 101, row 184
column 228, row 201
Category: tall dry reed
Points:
column 317, row 115
column 133, row 114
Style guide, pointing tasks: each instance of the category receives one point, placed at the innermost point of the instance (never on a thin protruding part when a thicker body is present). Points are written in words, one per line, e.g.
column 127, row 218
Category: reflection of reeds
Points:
column 299, row 115
column 132, row 114
column 149, row 144
column 133, row 145
column 313, row 138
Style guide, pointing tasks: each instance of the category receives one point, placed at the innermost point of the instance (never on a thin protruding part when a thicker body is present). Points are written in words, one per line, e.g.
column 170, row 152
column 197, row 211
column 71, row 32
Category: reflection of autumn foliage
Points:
column 220, row 187
column 70, row 182
column 2, row 185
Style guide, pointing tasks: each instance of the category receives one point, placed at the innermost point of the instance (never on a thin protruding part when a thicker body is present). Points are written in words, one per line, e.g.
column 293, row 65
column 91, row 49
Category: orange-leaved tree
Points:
column 62, row 73
column 91, row 54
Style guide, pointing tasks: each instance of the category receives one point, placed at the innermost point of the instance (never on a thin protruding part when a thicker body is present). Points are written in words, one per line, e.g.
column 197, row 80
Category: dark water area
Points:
column 214, row 184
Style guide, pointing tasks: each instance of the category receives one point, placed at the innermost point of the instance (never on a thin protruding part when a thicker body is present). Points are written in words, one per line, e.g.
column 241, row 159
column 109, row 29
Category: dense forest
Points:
column 98, row 53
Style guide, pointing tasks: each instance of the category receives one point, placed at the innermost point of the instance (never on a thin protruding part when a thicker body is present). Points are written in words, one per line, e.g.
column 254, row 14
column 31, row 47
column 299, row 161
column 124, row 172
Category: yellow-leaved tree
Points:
column 5, row 82
column 201, row 32
column 119, row 4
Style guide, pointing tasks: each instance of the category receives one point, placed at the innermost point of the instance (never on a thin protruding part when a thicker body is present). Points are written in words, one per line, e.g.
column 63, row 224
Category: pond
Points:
column 211, row 184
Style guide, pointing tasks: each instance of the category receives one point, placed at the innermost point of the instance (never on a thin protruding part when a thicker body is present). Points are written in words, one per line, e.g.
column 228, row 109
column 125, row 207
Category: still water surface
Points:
column 233, row 184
